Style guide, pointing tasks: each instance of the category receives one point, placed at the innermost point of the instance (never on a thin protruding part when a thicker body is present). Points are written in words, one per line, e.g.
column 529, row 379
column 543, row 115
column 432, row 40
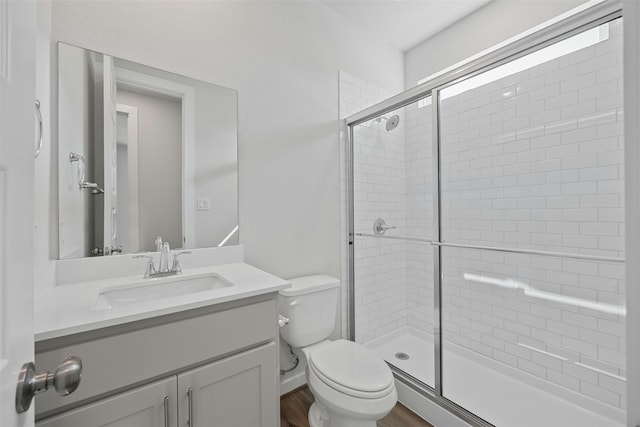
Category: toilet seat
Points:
column 352, row 369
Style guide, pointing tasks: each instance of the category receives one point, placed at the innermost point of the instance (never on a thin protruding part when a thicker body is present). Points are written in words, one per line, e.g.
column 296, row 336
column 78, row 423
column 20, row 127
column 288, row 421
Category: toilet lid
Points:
column 352, row 366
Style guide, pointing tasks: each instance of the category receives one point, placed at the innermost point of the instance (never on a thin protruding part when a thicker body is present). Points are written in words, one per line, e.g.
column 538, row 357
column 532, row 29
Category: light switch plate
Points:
column 204, row 204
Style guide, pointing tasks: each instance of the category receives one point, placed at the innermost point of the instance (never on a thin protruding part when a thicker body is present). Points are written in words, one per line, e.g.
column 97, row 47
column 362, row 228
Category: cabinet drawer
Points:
column 140, row 407
column 118, row 362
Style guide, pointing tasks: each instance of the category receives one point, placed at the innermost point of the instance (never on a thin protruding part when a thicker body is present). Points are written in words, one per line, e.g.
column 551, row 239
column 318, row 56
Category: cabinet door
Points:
column 239, row 391
column 142, row 407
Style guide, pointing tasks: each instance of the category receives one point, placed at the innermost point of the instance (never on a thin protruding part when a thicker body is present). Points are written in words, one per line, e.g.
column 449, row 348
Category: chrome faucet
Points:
column 164, row 258
column 163, row 265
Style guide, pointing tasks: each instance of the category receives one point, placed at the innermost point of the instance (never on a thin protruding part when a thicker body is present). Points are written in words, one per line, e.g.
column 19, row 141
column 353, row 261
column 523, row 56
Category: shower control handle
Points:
column 380, row 227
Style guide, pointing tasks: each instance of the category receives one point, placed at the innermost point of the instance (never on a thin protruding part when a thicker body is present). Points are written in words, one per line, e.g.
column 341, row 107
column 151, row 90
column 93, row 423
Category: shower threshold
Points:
column 500, row 394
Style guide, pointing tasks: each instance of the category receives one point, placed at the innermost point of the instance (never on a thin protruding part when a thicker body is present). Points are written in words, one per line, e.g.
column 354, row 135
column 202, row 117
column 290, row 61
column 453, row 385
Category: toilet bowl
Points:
column 352, row 386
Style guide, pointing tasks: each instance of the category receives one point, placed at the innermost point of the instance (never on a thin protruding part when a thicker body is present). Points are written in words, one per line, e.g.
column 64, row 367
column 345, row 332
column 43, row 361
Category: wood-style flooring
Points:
column 294, row 407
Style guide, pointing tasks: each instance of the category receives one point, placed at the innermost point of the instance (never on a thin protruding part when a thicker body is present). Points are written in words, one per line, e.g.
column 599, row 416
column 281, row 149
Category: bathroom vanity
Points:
column 185, row 360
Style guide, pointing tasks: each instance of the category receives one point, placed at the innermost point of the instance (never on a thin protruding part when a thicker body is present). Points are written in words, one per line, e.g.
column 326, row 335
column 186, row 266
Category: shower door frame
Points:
column 560, row 28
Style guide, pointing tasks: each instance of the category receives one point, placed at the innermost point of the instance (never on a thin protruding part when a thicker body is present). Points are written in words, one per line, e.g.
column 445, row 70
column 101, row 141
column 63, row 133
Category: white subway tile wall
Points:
column 419, row 214
column 535, row 160
column 380, row 191
column 355, row 95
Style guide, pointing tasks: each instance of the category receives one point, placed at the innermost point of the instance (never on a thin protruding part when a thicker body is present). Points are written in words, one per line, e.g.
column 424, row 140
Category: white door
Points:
column 17, row 149
column 128, row 199
column 110, row 157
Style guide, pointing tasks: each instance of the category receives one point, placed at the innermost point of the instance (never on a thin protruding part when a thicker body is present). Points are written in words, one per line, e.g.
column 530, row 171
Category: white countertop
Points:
column 71, row 308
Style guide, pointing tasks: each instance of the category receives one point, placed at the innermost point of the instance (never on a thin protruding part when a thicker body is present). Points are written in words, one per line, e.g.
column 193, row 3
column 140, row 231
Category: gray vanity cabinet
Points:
column 217, row 363
column 141, row 407
column 234, row 392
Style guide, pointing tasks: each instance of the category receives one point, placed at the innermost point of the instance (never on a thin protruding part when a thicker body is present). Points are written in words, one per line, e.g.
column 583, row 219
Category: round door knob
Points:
column 64, row 380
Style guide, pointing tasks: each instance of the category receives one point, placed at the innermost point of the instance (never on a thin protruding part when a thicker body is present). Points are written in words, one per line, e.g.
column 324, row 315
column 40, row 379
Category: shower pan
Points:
column 486, row 231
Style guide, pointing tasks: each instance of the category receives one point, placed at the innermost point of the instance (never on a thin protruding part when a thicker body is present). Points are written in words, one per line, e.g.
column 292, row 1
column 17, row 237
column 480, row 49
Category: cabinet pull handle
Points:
column 190, row 396
column 166, row 411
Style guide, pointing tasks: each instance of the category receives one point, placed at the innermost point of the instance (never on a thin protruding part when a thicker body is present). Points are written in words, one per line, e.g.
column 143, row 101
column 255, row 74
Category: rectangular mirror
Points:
column 142, row 153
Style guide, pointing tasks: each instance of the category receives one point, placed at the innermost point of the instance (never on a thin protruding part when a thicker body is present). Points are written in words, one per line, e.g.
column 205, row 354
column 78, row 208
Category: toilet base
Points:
column 319, row 417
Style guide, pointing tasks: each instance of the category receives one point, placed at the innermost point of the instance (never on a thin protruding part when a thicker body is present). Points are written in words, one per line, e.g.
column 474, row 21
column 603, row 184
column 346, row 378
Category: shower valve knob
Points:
column 380, row 227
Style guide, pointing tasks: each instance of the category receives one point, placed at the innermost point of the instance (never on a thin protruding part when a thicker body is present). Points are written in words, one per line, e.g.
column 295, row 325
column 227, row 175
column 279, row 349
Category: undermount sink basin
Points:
column 152, row 289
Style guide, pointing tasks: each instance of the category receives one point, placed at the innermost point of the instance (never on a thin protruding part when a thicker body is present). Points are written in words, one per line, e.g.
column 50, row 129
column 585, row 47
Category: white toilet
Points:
column 351, row 385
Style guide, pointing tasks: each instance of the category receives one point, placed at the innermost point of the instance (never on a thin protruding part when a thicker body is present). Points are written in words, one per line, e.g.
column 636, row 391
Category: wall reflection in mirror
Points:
column 142, row 153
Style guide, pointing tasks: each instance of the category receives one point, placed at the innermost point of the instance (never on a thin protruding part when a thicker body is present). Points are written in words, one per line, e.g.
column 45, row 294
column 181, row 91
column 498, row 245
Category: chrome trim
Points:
column 351, row 286
column 551, row 254
column 190, row 423
column 380, row 236
column 532, row 252
column 165, row 405
column 176, row 262
column 595, row 15
column 437, row 276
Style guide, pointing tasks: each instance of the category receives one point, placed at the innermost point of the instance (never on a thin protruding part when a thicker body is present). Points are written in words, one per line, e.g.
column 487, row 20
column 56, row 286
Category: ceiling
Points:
column 405, row 23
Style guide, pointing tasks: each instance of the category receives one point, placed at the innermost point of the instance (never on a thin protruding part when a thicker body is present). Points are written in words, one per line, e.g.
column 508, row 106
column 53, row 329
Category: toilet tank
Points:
column 310, row 304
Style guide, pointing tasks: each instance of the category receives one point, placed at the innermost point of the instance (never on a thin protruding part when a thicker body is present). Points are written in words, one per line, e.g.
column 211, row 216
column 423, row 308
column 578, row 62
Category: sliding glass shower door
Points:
column 487, row 235
column 393, row 224
column 532, row 205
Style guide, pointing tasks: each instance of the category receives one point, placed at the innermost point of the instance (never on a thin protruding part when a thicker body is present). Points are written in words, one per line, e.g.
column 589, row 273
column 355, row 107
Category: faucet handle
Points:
column 176, row 262
column 158, row 243
column 151, row 268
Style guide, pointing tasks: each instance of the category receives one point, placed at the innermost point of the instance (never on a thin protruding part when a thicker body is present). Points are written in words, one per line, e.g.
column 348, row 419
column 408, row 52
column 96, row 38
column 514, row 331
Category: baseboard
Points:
column 427, row 409
column 293, row 382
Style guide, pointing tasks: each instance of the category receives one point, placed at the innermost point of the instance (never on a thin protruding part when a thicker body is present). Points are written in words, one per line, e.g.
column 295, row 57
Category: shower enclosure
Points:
column 485, row 230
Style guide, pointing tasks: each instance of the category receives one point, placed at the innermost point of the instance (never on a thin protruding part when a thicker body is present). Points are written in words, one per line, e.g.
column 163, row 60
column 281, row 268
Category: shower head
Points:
column 392, row 122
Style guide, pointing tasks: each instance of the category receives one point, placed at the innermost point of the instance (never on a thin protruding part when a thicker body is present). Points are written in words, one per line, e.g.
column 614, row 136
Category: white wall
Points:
column 283, row 58
column 490, row 25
